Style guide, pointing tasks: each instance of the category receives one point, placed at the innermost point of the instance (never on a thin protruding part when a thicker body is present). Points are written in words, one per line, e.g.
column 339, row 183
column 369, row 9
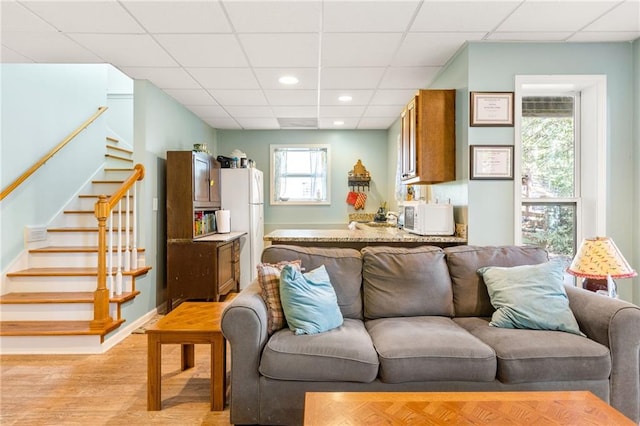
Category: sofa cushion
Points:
column 345, row 353
column 470, row 296
column 405, row 282
column 540, row 355
column 414, row 349
column 308, row 300
column 530, row 296
column 269, row 281
column 344, row 267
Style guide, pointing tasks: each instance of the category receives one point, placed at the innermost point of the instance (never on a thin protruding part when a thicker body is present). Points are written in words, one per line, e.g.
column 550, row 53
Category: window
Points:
column 300, row 174
column 560, row 141
column 549, row 145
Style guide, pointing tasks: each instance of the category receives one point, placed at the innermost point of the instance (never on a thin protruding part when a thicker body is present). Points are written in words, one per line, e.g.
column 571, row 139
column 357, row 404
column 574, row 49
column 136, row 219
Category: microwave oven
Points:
column 428, row 219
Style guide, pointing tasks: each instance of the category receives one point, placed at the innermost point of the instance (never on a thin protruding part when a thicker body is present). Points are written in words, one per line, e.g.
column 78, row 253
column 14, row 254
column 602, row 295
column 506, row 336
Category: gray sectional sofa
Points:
column 418, row 320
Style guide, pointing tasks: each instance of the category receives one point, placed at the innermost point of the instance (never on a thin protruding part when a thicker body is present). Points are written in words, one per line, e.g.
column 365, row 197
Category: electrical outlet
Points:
column 155, row 205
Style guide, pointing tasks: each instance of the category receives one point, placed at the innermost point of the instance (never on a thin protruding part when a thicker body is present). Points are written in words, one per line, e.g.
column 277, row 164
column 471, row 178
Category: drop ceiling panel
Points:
column 376, row 123
column 292, row 97
column 351, row 78
column 164, row 78
column 408, row 77
column 528, row 36
column 250, row 111
column 15, row 17
column 281, row 50
column 624, row 17
column 238, row 97
column 48, row 48
column 224, row 78
column 376, row 111
column 274, row 17
column 341, row 111
column 258, row 123
column 126, row 50
column 330, row 123
column 555, row 16
column 431, row 49
column 223, row 123
column 97, row 16
column 368, row 16
column 209, row 111
column 203, row 50
column 359, row 97
column 466, row 16
column 191, row 96
column 612, row 36
column 179, row 16
column 295, row 111
column 9, row 57
column 392, row 97
column 268, row 77
column 359, row 49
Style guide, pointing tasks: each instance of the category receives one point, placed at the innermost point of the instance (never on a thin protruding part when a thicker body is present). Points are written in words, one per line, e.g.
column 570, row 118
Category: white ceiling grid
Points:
column 222, row 58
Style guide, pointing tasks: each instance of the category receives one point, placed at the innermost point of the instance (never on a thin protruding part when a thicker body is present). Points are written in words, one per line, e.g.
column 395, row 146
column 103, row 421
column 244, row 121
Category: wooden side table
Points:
column 190, row 323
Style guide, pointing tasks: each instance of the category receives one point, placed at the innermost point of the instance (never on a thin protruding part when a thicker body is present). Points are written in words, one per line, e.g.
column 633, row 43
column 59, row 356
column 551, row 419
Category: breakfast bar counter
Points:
column 358, row 238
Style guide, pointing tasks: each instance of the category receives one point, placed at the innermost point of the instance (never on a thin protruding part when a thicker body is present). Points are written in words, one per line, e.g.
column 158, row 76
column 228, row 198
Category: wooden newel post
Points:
column 101, row 295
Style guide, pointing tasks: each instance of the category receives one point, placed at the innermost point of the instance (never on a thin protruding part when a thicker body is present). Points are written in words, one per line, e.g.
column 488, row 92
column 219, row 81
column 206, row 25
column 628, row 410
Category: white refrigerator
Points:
column 242, row 194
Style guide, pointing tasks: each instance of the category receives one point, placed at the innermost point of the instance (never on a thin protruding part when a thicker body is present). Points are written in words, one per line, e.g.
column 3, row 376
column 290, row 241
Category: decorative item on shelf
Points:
column 598, row 261
column 381, row 215
column 201, row 147
column 359, row 178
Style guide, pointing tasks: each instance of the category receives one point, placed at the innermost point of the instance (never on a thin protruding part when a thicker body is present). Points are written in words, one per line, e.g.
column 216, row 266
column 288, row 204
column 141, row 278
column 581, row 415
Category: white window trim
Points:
column 274, row 202
column 592, row 207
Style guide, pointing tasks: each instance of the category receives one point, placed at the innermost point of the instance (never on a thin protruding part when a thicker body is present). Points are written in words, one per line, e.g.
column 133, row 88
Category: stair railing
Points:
column 9, row 189
column 104, row 210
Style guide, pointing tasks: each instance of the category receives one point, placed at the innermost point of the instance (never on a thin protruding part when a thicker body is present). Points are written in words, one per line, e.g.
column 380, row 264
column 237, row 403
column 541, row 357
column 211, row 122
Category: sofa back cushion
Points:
column 343, row 265
column 403, row 282
column 470, row 295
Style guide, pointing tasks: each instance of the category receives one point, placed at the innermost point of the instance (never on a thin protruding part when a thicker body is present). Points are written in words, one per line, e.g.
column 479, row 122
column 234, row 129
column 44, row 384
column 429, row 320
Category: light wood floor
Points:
column 106, row 389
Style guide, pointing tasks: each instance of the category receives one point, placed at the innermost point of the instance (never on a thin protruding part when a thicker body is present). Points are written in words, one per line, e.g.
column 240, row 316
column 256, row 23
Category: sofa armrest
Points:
column 615, row 324
column 244, row 325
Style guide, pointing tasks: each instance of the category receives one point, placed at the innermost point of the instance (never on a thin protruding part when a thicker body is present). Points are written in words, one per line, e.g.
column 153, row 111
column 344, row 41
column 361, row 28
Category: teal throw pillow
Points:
column 530, row 296
column 309, row 301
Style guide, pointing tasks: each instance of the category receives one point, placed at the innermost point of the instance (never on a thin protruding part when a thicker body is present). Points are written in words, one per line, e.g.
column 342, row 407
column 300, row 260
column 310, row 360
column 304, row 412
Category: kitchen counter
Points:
column 221, row 238
column 363, row 236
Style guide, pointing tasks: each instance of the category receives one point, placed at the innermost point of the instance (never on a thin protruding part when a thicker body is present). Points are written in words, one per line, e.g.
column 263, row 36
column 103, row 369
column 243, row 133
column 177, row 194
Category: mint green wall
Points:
column 160, row 124
column 635, row 259
column 41, row 105
column 347, row 146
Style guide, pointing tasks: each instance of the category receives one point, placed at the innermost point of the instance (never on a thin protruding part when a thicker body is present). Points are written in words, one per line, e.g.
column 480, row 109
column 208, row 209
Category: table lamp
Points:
column 598, row 261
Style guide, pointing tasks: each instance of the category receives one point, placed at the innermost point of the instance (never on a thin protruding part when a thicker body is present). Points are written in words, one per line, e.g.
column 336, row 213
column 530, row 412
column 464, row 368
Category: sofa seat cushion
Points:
column 413, row 349
column 541, row 355
column 345, row 353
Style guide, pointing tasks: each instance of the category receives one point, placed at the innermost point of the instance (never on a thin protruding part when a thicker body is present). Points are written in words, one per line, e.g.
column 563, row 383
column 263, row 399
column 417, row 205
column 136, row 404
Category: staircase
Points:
column 49, row 305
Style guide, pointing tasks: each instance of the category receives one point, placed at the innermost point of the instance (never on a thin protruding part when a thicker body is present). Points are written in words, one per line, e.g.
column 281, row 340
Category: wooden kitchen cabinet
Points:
column 200, row 263
column 428, row 140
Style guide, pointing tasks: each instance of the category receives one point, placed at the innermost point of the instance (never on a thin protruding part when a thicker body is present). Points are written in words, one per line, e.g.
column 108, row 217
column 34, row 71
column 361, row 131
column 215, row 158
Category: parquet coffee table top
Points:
column 459, row 408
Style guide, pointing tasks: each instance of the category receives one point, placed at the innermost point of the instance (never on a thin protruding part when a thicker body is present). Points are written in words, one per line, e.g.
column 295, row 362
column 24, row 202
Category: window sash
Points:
column 296, row 182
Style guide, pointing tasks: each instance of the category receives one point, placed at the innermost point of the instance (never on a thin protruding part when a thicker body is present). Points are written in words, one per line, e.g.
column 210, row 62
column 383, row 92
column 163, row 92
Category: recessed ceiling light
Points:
column 338, row 123
column 288, row 79
column 345, row 98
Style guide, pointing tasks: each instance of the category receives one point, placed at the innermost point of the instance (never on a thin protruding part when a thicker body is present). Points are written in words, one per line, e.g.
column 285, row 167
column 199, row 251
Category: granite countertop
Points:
column 363, row 233
column 221, row 238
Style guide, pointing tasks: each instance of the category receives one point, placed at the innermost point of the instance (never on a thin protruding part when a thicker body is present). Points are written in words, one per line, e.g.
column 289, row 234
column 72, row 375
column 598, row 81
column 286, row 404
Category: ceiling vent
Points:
column 298, row 123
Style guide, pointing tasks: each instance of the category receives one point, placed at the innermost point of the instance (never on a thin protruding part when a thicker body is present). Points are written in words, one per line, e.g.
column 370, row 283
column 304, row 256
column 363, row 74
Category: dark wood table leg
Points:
column 188, row 356
column 218, row 372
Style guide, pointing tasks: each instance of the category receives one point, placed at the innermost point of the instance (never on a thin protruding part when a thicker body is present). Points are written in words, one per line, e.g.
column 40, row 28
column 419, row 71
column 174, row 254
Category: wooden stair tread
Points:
column 117, row 157
column 55, row 328
column 112, row 139
column 60, row 297
column 107, row 181
column 71, row 249
column 80, row 229
column 97, row 195
column 120, row 149
column 71, row 272
column 91, row 212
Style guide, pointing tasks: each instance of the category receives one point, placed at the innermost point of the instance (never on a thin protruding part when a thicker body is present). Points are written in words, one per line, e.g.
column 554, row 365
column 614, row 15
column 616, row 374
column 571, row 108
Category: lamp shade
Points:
column 598, row 258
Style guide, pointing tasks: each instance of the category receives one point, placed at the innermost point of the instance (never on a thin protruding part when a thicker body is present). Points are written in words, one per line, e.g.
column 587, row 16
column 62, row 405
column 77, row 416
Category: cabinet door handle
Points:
column 211, row 182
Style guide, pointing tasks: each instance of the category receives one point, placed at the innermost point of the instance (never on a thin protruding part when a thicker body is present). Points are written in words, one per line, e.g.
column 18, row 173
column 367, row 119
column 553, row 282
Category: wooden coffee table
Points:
column 190, row 323
column 456, row 408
